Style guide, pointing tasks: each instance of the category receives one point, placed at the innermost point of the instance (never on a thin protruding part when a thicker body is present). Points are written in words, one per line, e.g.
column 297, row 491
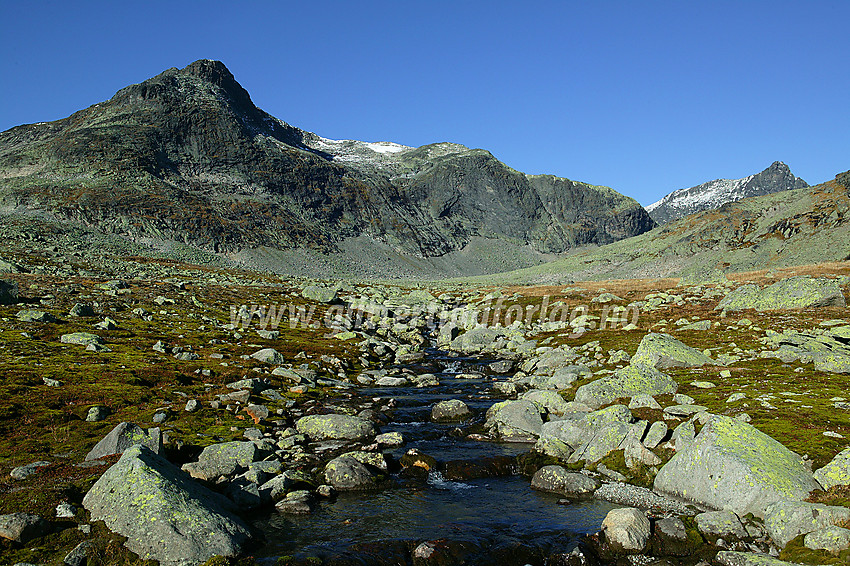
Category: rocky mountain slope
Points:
column 186, row 158
column 797, row 227
column 707, row 196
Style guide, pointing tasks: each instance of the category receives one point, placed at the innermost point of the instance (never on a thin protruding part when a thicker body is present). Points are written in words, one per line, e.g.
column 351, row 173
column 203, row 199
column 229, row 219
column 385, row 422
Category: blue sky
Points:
column 643, row 96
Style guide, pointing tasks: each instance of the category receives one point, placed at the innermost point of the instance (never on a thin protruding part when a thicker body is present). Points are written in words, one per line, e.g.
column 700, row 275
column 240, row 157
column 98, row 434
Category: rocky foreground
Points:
column 144, row 418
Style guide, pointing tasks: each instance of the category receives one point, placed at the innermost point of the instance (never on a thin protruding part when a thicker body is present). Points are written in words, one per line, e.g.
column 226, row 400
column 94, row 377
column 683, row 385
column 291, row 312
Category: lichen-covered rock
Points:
column 325, row 295
column 786, row 520
column 165, row 515
column 737, row 558
column 347, row 473
column 22, row 527
column 123, row 436
column 29, row 315
column 515, row 421
column 830, row 539
column 662, row 351
column 627, row 530
column 477, row 340
column 335, row 427
column 222, row 460
column 81, row 339
column 551, row 401
column 836, row 472
column 724, row 524
column 733, row 466
column 557, row 479
column 450, row 410
column 629, row 381
column 269, row 356
column 602, row 442
column 792, row 293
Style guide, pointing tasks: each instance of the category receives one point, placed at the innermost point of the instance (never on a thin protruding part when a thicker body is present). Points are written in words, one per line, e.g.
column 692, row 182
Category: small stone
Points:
column 192, row 405
column 97, row 414
column 79, row 555
column 160, row 416
column 736, row 397
column 65, row 511
column 23, row 472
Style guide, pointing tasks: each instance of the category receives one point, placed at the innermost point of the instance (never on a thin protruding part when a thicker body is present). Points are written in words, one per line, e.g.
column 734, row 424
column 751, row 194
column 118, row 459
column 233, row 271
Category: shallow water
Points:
column 495, row 520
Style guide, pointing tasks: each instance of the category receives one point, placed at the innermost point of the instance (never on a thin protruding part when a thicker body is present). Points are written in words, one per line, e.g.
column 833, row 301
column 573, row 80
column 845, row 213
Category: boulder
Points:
column 82, row 309
column 792, row 293
column 326, row 295
column 222, row 460
column 786, row 520
column 335, row 427
column 8, row 292
column 269, row 356
column 552, row 402
column 737, row 558
column 22, row 527
column 346, row 473
column 627, row 530
column 556, row 479
column 662, row 351
column 515, row 421
column 723, row 524
column 603, row 441
column 476, row 340
column 81, row 339
column 165, row 515
column 27, row 470
column 733, row 466
column 28, row 315
column 836, row 472
column 123, row 436
column 830, row 539
column 451, row 410
column 628, row 381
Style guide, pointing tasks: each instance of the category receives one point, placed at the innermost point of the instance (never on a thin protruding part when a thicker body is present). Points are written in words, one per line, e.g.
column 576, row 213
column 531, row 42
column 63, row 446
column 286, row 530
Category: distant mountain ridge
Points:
column 713, row 194
column 187, row 157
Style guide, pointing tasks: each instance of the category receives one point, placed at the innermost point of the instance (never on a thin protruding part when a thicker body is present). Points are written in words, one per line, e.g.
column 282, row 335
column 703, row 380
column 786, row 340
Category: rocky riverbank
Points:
column 135, row 409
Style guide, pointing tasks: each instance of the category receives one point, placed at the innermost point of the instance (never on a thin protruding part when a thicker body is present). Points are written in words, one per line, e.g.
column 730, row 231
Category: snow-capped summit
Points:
column 714, row 194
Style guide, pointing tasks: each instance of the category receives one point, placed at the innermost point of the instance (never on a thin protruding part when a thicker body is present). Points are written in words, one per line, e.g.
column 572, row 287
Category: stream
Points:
column 492, row 520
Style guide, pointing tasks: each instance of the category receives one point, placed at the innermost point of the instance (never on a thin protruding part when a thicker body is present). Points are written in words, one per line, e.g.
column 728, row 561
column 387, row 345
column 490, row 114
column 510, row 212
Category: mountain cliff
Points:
column 187, row 157
column 714, row 194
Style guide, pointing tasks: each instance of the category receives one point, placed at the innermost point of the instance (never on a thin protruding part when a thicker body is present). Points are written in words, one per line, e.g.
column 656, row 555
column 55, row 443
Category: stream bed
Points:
column 490, row 520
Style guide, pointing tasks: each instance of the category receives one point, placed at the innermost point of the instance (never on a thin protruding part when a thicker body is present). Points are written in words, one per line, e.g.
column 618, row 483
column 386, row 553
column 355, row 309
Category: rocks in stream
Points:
column 627, row 530
column 347, row 473
column 335, row 427
column 515, row 421
column 557, row 479
column 450, row 411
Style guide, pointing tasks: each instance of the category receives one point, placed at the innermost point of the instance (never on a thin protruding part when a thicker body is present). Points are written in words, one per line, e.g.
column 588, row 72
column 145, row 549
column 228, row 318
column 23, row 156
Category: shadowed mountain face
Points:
column 714, row 194
column 187, row 157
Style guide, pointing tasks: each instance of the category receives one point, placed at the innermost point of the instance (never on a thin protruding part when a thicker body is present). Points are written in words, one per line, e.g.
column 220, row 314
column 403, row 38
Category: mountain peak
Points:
column 713, row 194
column 217, row 73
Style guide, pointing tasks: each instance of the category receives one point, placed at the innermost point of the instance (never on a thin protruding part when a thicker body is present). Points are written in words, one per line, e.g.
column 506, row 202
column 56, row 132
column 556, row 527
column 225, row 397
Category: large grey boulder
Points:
column 8, row 292
column 836, row 472
column 82, row 339
column 662, row 351
column 221, row 460
column 557, row 479
column 335, row 427
column 792, row 293
column 347, row 473
column 515, row 421
column 830, row 539
column 476, row 340
column 123, row 436
column 785, row 520
column 22, row 527
column 627, row 530
column 629, row 381
column 733, row 466
column 165, row 515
